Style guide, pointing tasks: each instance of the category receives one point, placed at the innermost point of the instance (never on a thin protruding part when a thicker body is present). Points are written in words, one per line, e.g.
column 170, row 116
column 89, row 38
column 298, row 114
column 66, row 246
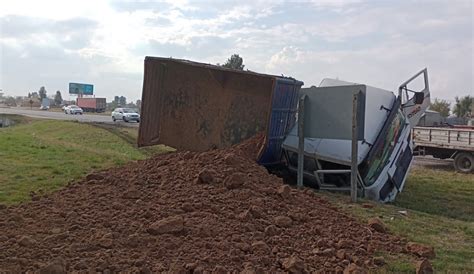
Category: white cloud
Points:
column 380, row 43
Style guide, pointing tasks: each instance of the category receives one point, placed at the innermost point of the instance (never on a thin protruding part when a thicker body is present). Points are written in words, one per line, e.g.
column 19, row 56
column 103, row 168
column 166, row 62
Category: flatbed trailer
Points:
column 447, row 143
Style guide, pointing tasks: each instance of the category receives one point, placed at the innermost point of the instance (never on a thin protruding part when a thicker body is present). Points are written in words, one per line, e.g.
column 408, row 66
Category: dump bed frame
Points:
column 196, row 107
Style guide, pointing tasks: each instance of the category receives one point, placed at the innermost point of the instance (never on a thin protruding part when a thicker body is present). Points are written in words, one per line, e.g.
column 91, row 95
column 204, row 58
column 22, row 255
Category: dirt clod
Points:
column 377, row 225
column 420, row 250
column 26, row 241
column 341, row 254
column 284, row 191
column 260, row 246
column 171, row 225
column 95, row 176
column 57, row 266
column 354, row 269
column 379, row 261
column 271, row 230
column 131, row 194
column 236, row 180
column 294, row 264
column 328, row 252
column 206, row 176
column 424, row 267
column 283, row 221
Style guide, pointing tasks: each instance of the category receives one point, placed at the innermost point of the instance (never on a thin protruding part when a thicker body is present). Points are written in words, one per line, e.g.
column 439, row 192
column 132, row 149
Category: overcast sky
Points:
column 381, row 43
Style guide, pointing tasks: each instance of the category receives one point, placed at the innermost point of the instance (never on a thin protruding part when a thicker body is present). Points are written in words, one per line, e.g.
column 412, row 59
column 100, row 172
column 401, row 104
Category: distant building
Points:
column 431, row 118
column 453, row 120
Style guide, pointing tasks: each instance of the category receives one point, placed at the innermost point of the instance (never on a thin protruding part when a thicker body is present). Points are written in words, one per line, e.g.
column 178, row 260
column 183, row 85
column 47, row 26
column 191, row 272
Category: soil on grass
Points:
column 185, row 211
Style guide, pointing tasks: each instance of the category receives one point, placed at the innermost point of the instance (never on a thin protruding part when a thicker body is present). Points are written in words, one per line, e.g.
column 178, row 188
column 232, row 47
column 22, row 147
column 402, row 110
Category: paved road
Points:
column 88, row 118
column 433, row 163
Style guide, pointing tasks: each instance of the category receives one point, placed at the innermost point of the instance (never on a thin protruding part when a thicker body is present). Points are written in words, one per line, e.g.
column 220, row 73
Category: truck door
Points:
column 415, row 96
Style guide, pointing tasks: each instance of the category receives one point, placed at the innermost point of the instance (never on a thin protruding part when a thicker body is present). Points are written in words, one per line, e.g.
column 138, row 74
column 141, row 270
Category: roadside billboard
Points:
column 84, row 89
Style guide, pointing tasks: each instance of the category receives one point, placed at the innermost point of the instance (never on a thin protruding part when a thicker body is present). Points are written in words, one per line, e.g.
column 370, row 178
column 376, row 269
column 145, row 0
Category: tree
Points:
column 464, row 106
column 10, row 101
column 34, row 94
column 234, row 62
column 42, row 93
column 441, row 106
column 58, row 99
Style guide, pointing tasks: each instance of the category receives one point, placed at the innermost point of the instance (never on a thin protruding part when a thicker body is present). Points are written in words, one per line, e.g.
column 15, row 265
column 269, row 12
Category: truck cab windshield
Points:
column 382, row 150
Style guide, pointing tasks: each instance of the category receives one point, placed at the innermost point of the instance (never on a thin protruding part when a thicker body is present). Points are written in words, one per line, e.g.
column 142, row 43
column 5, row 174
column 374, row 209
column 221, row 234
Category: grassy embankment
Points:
column 45, row 154
column 440, row 213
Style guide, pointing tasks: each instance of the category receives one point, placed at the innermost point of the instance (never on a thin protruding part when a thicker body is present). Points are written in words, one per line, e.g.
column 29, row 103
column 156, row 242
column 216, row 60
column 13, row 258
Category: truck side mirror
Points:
column 419, row 98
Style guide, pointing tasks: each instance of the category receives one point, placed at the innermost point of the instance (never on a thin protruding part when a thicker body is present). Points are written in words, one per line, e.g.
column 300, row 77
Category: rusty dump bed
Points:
column 197, row 107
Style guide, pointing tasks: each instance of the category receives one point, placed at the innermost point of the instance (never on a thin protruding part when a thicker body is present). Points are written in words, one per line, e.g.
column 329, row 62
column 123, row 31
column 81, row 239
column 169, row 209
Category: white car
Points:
column 73, row 109
column 125, row 114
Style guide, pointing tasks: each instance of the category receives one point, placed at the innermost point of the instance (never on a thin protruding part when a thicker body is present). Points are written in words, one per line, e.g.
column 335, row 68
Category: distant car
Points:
column 44, row 107
column 72, row 109
column 125, row 114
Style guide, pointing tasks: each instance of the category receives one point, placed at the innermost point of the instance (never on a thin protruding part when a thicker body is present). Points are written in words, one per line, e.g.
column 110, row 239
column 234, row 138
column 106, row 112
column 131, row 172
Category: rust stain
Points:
column 197, row 107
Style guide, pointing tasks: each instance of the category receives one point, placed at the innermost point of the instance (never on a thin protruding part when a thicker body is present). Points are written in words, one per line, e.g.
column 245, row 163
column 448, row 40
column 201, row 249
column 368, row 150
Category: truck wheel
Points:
column 113, row 119
column 464, row 162
column 125, row 119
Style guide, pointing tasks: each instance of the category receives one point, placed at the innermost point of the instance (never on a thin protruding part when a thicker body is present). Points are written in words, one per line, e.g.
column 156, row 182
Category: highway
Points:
column 44, row 114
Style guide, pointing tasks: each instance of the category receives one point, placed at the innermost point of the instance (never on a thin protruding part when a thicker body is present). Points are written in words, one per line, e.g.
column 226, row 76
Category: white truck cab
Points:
column 384, row 156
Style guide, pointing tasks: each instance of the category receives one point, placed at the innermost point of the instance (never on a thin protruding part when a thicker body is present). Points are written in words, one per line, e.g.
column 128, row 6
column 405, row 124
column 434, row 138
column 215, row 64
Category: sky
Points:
column 104, row 43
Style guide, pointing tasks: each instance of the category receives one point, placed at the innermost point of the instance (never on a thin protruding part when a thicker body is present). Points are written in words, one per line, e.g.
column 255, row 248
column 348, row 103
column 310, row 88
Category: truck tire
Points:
column 464, row 162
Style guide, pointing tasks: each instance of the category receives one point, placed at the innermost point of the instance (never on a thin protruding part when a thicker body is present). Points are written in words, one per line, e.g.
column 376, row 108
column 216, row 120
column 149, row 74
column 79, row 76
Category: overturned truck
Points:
column 197, row 107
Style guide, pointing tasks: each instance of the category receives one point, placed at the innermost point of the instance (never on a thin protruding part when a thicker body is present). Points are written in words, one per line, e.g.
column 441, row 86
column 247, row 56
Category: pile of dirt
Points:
column 185, row 211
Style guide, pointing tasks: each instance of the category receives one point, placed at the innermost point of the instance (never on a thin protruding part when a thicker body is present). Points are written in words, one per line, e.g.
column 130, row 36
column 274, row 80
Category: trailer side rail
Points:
column 447, row 138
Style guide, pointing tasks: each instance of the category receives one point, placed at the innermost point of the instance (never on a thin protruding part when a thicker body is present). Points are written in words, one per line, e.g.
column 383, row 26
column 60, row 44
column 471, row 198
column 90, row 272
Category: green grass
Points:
column 440, row 210
column 438, row 192
column 45, row 155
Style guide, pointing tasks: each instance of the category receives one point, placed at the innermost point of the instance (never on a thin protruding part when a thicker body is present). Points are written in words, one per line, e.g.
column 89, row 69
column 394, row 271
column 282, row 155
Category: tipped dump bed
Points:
column 197, row 107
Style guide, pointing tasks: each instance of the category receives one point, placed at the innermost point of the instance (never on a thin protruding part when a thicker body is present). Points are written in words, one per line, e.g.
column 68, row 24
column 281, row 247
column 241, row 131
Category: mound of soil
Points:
column 187, row 212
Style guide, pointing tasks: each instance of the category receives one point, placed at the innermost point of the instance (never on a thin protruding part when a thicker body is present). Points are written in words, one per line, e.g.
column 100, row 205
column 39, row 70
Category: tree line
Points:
column 42, row 93
column 463, row 106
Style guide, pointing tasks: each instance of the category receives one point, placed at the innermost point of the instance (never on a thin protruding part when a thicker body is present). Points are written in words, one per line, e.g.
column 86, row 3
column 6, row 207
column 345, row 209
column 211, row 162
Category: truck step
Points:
column 334, row 188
